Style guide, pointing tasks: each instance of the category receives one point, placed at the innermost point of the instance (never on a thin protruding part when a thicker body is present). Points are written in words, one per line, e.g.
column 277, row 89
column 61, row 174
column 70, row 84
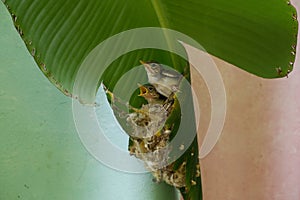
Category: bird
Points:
column 165, row 81
column 149, row 118
column 151, row 95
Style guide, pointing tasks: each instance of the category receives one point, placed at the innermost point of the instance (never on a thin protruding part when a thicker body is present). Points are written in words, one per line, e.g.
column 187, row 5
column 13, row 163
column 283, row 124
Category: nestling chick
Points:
column 151, row 95
column 165, row 81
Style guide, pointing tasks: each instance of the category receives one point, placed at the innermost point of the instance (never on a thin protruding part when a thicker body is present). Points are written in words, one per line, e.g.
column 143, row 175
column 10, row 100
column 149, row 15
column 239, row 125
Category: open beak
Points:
column 143, row 90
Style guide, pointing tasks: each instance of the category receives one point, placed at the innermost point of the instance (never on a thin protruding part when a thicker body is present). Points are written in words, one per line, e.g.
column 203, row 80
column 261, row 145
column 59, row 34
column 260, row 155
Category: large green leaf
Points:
column 258, row 36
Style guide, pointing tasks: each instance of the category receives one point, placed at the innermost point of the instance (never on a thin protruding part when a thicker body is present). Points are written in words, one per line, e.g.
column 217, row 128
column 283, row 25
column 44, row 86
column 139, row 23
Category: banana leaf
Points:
column 257, row 36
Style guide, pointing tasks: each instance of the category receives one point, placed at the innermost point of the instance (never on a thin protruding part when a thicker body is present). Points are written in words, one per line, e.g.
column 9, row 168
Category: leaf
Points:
column 258, row 36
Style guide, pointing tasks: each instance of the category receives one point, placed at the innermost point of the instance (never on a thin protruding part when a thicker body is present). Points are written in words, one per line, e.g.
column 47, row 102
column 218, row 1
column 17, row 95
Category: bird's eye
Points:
column 151, row 89
column 154, row 65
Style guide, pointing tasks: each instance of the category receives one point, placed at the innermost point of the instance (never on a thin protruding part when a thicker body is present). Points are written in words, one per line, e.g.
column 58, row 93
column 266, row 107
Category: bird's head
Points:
column 152, row 67
column 149, row 92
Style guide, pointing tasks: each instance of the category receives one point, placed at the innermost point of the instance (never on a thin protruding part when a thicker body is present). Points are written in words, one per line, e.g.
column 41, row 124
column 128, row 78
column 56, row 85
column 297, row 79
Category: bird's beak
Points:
column 143, row 90
column 147, row 66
